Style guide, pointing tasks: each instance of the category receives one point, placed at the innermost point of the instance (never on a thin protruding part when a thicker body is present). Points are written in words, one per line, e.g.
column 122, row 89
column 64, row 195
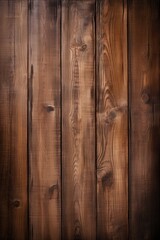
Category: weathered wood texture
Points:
column 13, row 119
column 112, row 120
column 78, row 120
column 144, row 51
column 79, row 137
column 44, row 125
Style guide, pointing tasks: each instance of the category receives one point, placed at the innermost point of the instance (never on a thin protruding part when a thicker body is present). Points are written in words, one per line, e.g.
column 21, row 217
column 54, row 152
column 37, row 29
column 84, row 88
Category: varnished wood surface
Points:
column 112, row 120
column 13, row 120
column 144, row 50
column 44, row 120
column 79, row 119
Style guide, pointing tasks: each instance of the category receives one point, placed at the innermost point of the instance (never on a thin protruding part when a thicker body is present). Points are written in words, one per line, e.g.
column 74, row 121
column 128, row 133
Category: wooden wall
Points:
column 79, row 119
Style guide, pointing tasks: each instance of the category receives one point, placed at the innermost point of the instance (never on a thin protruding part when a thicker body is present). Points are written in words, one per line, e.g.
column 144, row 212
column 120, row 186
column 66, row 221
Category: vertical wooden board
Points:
column 13, row 119
column 144, row 51
column 78, row 120
column 112, row 120
column 44, row 108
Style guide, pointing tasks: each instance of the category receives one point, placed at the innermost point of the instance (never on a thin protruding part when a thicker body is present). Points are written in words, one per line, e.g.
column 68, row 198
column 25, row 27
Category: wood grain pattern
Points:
column 78, row 120
column 44, row 104
column 144, row 48
column 112, row 120
column 13, row 119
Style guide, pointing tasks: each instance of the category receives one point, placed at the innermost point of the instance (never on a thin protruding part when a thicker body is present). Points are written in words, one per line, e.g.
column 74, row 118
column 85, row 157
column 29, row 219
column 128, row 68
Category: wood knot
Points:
column 78, row 45
column 145, row 97
column 111, row 116
column 53, row 191
column 16, row 203
column 114, row 112
column 107, row 179
column 105, row 174
column 77, row 232
column 49, row 107
column 83, row 47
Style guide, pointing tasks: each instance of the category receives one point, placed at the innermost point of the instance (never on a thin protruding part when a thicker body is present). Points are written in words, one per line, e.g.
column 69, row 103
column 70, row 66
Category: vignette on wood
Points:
column 13, row 120
column 144, row 58
column 78, row 119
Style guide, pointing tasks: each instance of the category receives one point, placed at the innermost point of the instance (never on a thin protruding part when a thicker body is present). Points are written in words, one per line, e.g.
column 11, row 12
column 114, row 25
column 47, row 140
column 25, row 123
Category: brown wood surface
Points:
column 13, row 120
column 44, row 125
column 112, row 120
column 78, row 120
column 144, row 50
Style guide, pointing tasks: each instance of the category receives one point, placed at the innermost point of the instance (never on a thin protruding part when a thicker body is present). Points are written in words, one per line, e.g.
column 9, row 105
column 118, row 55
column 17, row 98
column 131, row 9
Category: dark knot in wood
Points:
column 145, row 97
column 49, row 107
column 107, row 179
column 111, row 116
column 53, row 191
column 16, row 203
column 83, row 47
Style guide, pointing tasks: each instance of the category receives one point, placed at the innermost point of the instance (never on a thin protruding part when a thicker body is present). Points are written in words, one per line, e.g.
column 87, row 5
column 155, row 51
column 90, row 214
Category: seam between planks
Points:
column 129, row 115
column 28, row 110
column 61, row 112
column 96, row 77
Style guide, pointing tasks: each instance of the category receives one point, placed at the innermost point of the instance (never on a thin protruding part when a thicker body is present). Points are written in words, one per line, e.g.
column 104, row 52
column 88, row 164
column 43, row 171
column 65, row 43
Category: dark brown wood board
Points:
column 78, row 120
column 44, row 120
column 112, row 120
column 144, row 77
column 13, row 120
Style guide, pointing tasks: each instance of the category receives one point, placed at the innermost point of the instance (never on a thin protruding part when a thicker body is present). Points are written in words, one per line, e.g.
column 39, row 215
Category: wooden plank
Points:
column 112, row 120
column 144, row 48
column 44, row 98
column 13, row 119
column 78, row 120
